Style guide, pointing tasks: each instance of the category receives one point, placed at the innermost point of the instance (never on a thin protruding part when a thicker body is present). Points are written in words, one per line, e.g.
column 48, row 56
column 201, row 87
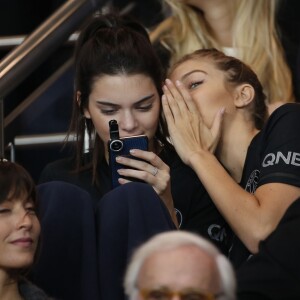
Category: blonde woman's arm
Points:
column 252, row 216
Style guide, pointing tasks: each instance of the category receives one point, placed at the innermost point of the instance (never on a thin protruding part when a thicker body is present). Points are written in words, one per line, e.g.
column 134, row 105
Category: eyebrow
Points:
column 191, row 72
column 117, row 105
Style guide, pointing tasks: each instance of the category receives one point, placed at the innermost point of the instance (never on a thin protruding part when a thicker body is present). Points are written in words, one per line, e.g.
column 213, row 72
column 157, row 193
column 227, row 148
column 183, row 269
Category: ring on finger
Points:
column 154, row 171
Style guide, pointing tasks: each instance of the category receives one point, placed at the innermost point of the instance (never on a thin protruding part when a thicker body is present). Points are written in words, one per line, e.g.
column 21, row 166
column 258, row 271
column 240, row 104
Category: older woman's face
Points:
column 206, row 85
column 19, row 233
column 132, row 100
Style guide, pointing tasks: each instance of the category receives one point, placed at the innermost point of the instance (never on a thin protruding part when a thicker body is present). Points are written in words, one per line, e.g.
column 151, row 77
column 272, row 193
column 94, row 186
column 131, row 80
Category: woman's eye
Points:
column 108, row 111
column 193, row 85
column 4, row 210
column 145, row 107
column 31, row 209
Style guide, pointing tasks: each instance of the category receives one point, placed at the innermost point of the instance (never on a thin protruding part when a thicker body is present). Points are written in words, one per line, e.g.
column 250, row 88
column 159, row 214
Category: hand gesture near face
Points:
column 189, row 134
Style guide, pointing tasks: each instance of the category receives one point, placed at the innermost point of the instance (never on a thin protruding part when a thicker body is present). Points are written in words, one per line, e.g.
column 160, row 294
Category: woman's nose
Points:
column 25, row 220
column 127, row 122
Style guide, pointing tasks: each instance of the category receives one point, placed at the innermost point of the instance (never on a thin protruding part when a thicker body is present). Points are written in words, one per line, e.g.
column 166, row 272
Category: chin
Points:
column 22, row 262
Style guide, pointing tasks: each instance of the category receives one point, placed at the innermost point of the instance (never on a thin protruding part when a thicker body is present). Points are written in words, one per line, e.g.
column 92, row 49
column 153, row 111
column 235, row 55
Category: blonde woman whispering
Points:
column 216, row 113
column 244, row 29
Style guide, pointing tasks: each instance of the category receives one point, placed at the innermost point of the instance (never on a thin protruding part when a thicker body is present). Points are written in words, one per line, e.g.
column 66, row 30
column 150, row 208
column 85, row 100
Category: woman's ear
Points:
column 244, row 94
column 84, row 110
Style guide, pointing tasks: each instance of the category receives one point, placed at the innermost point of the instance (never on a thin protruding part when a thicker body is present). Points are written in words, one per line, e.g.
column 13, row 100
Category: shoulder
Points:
column 281, row 130
column 66, row 163
column 30, row 291
column 291, row 109
column 57, row 170
column 285, row 118
column 62, row 164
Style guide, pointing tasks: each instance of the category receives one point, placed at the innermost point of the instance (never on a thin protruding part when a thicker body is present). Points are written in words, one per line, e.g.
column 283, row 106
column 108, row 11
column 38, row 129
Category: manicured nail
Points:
column 121, row 180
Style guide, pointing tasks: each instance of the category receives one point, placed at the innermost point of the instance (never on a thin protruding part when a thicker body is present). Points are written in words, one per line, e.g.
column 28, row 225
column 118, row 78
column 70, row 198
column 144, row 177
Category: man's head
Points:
column 179, row 265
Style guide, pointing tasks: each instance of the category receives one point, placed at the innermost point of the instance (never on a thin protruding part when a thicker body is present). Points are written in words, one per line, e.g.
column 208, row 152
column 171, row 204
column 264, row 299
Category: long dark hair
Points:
column 110, row 45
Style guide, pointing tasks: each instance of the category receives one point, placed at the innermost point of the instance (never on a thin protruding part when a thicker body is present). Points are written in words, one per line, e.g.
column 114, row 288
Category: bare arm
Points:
column 252, row 217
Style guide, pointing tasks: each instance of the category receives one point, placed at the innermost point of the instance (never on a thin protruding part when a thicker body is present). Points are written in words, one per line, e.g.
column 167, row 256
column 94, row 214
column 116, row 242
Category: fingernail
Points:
column 121, row 180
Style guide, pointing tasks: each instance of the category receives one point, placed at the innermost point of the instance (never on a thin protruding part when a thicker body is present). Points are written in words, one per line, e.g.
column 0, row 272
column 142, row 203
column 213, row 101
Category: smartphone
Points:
column 122, row 146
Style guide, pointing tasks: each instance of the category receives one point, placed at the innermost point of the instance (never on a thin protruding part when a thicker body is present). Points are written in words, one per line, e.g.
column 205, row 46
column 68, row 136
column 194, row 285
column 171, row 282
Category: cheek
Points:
column 209, row 104
column 4, row 232
column 207, row 108
column 151, row 121
column 101, row 126
column 37, row 227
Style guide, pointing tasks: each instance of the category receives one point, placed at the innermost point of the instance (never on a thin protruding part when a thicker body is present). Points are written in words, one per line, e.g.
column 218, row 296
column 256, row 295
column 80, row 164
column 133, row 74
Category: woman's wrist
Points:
column 196, row 157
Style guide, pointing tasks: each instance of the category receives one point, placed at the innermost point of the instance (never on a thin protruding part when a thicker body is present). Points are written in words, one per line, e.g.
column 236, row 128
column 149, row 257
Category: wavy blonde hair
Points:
column 255, row 40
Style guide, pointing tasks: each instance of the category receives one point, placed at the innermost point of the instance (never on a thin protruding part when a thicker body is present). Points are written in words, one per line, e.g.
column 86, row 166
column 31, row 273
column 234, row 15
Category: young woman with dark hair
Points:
column 118, row 76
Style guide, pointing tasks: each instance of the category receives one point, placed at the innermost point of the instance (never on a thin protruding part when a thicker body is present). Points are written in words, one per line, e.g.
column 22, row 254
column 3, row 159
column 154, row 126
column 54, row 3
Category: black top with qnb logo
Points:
column 273, row 156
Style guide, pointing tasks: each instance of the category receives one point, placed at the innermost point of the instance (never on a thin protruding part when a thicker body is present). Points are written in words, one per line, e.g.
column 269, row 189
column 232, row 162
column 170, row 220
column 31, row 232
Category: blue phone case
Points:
column 132, row 142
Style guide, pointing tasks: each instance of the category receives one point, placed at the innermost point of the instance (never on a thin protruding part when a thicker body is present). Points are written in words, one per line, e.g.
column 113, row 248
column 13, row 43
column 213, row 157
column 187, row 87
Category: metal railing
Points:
column 37, row 140
column 9, row 42
column 38, row 46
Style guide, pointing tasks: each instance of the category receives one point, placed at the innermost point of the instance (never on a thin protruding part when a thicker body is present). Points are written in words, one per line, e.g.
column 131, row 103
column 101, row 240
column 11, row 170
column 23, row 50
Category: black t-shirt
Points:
column 195, row 210
column 274, row 272
column 273, row 156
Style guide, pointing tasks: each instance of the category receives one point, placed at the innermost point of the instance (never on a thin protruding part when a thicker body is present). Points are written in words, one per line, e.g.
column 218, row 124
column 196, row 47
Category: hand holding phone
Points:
column 122, row 146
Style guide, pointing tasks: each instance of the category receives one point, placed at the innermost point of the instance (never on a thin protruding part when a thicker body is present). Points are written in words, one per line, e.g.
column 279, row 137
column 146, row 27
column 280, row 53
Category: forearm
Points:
column 241, row 209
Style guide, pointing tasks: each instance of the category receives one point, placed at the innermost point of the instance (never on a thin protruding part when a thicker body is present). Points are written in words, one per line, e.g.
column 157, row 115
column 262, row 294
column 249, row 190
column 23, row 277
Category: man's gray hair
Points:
column 172, row 240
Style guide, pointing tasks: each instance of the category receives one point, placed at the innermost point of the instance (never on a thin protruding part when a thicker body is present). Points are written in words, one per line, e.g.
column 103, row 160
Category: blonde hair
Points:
column 255, row 41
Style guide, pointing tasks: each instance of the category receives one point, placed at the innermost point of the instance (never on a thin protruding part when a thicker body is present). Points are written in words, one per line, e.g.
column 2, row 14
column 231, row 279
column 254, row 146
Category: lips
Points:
column 23, row 242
